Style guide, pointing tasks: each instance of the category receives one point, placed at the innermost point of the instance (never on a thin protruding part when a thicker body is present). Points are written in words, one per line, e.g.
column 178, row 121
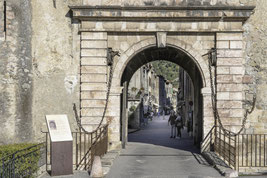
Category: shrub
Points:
column 25, row 159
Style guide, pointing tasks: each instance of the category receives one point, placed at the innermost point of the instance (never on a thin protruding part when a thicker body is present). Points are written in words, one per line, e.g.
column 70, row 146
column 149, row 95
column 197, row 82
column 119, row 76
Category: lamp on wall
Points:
column 110, row 55
column 213, row 56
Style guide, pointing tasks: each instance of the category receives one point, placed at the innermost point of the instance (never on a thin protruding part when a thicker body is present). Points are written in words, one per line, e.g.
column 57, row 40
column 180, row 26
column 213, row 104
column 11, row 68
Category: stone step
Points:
column 106, row 161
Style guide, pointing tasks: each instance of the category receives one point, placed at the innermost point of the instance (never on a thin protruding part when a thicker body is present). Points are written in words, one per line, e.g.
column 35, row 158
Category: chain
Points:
column 215, row 110
column 106, row 104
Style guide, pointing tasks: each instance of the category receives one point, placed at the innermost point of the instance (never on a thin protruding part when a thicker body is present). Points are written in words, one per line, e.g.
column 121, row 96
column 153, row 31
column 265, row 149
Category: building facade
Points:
column 54, row 54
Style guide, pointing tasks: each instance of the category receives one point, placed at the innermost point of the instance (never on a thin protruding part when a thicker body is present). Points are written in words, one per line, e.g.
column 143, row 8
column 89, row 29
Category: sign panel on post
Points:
column 61, row 144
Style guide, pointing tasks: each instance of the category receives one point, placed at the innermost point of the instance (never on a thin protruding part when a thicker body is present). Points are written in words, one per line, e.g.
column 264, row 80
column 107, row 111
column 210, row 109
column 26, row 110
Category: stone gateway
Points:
column 54, row 53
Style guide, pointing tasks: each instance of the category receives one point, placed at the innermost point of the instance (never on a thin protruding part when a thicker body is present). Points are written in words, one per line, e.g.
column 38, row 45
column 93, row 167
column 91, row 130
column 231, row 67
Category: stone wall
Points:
column 39, row 66
column 16, row 79
column 255, row 38
column 40, row 60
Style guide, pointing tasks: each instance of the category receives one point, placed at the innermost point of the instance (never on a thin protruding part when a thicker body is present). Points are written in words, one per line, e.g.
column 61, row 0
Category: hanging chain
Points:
column 215, row 110
column 110, row 56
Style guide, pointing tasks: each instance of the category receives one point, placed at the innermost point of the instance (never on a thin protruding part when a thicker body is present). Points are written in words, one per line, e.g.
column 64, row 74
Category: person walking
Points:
column 172, row 122
column 179, row 124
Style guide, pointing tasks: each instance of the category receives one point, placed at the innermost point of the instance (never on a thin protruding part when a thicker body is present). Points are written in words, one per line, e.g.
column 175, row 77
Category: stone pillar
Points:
column 114, row 117
column 230, row 72
column 208, row 118
column 93, row 80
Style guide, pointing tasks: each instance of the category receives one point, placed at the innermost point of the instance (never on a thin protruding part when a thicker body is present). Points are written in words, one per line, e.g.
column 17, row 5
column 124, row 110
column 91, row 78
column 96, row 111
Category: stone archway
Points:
column 195, row 54
column 132, row 29
column 193, row 63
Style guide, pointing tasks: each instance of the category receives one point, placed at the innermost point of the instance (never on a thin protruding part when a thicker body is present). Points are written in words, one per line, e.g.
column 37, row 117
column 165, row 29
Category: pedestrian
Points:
column 172, row 122
column 179, row 124
column 163, row 114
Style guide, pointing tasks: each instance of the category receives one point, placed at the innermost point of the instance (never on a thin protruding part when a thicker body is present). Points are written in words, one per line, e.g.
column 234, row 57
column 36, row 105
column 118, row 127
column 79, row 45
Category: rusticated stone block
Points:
column 229, row 104
column 230, row 61
column 93, row 95
column 223, row 44
column 230, row 53
column 223, row 95
column 236, row 44
column 94, row 61
column 93, row 103
column 223, row 70
column 93, row 35
column 94, row 44
column 236, row 113
column 94, row 69
column 93, row 52
column 229, row 36
column 93, row 86
column 94, row 78
column 224, row 78
column 229, row 87
column 237, row 70
column 236, row 95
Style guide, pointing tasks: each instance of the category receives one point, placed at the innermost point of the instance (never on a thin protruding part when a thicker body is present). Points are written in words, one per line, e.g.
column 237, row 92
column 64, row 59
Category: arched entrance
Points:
column 133, row 29
column 194, row 66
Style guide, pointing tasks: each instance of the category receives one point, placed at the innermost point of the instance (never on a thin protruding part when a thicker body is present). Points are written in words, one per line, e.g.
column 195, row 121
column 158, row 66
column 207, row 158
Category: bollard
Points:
column 96, row 171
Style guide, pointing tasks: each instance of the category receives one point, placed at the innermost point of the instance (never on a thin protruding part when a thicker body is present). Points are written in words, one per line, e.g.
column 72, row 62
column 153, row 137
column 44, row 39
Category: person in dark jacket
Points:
column 179, row 124
column 172, row 122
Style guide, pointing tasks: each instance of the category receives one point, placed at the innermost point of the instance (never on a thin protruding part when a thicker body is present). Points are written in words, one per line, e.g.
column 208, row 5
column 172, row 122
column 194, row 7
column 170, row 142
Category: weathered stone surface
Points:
column 93, row 36
column 93, row 95
column 230, row 53
column 93, row 87
column 236, row 44
column 230, row 61
column 229, row 104
column 229, row 36
column 93, row 69
column 223, row 44
column 94, row 53
column 94, row 78
column 96, row 168
column 97, row 61
column 94, row 44
column 42, row 51
column 229, row 87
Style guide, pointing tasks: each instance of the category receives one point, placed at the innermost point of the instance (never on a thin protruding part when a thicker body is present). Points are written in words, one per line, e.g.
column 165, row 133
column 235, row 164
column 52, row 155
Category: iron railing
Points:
column 225, row 146
column 85, row 147
column 251, row 150
column 22, row 163
column 238, row 151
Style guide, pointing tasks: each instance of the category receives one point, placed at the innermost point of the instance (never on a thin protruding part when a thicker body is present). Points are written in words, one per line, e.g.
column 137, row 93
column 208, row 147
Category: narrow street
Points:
column 151, row 153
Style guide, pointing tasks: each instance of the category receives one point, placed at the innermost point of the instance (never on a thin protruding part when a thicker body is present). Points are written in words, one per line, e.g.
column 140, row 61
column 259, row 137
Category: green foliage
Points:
column 169, row 70
column 25, row 159
column 132, row 108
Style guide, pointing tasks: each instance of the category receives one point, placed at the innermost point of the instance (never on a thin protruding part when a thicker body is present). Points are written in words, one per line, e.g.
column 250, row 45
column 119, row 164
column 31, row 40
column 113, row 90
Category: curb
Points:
column 219, row 165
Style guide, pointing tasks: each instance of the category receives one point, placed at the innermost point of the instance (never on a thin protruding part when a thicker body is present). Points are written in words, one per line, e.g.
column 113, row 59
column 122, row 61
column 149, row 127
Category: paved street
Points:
column 151, row 153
